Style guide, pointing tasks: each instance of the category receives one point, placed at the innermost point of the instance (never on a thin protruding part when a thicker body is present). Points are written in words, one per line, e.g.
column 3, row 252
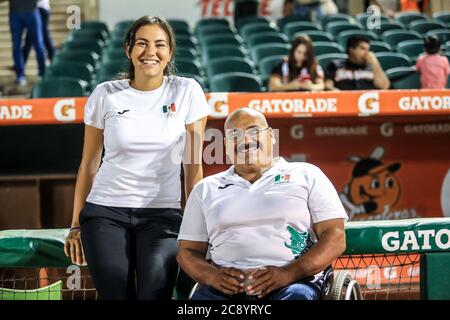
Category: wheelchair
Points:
column 337, row 285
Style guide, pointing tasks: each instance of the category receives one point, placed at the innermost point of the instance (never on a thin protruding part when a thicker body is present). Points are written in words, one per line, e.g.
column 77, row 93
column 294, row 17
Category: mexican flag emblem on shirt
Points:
column 282, row 178
column 169, row 108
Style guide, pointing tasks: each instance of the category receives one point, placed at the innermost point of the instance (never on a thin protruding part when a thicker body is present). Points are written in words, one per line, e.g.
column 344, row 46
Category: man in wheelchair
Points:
column 271, row 227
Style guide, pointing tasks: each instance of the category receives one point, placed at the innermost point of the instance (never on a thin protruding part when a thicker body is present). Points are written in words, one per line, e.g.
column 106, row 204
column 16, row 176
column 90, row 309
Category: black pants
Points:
column 244, row 9
column 131, row 253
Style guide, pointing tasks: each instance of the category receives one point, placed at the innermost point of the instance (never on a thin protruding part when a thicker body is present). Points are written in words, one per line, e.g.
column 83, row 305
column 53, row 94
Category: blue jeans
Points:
column 306, row 11
column 45, row 17
column 295, row 291
column 31, row 21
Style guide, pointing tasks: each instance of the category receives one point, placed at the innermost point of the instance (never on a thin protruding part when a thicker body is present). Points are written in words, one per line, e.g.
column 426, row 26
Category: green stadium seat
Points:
column 250, row 29
column 85, row 56
column 186, row 41
column 229, row 64
column 212, row 21
column 270, row 37
column 443, row 17
column 327, row 47
column 406, row 18
column 224, row 51
column 94, row 25
column 184, row 65
column 235, row 82
column 112, row 68
column 386, row 26
column 399, row 72
column 281, row 22
column 389, row 60
column 182, row 33
column 393, row 37
column 343, row 37
column 368, row 21
column 60, row 87
column 87, row 34
column 123, row 26
column 291, row 28
column 95, row 46
column 114, row 54
column 117, row 35
column 442, row 34
column 336, row 17
column 267, row 64
column 187, row 53
column 379, row 46
column 250, row 19
column 213, row 30
column 73, row 69
column 269, row 49
column 222, row 39
column 325, row 59
column 423, row 27
column 408, row 79
column 411, row 48
column 177, row 24
column 115, row 43
column 316, row 35
column 340, row 26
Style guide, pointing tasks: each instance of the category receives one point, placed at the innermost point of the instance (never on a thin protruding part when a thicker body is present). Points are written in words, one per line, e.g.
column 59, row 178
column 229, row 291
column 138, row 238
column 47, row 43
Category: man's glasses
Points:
column 238, row 134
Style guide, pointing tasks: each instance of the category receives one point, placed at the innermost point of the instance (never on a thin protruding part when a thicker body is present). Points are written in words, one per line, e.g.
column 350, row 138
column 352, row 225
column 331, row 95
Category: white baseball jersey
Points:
column 269, row 222
column 144, row 138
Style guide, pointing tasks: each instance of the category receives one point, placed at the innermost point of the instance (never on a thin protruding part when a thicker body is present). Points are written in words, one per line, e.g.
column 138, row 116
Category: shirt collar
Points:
column 280, row 163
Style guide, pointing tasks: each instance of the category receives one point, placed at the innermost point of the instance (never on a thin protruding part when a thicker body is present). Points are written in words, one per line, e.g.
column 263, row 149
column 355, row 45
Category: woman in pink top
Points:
column 432, row 66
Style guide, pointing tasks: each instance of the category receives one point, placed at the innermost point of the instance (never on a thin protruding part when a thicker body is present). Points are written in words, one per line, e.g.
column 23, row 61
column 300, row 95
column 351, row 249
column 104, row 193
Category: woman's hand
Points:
column 73, row 247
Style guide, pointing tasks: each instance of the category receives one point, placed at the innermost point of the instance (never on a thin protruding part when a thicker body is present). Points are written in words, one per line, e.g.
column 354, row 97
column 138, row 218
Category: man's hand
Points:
column 371, row 59
column 227, row 280
column 268, row 279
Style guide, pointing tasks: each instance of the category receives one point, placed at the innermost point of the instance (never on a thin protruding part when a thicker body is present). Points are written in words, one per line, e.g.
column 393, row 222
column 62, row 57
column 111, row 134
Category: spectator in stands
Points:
column 44, row 11
column 245, row 8
column 300, row 70
column 309, row 9
column 23, row 14
column 361, row 71
column 434, row 68
column 127, row 212
column 281, row 223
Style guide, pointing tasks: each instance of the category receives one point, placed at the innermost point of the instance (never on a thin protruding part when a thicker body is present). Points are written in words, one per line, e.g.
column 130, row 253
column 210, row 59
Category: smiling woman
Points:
column 127, row 211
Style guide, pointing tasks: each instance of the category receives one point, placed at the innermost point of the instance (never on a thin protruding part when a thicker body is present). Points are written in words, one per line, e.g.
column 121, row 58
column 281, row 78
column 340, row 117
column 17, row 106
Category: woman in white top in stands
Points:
column 127, row 212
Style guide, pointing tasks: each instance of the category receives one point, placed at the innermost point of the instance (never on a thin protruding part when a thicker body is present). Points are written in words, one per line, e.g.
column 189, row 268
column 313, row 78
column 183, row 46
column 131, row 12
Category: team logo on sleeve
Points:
column 169, row 110
column 300, row 241
column 282, row 178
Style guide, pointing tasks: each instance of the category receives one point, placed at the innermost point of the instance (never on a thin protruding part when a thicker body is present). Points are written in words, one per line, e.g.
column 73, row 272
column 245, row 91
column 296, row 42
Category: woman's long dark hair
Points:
column 130, row 40
column 310, row 62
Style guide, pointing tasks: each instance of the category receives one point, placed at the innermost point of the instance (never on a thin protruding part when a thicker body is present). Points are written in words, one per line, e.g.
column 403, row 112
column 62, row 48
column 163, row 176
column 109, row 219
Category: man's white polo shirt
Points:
column 269, row 222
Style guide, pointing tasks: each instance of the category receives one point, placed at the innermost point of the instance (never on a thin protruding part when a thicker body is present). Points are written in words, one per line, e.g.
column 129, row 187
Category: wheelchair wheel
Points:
column 344, row 287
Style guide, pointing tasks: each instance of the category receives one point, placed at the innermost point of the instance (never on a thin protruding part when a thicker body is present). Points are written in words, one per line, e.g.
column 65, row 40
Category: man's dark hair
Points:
column 354, row 41
column 432, row 44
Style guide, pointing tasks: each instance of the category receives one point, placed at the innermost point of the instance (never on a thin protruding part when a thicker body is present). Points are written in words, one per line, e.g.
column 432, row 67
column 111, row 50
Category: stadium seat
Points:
column 406, row 18
column 190, row 66
column 229, row 64
column 379, row 46
column 95, row 46
column 60, row 87
column 250, row 19
column 316, row 35
column 443, row 17
column 177, row 24
column 281, row 22
column 222, row 39
column 182, row 33
column 94, row 25
column 186, row 41
column 123, row 26
column 368, row 24
column 411, row 48
column 343, row 37
column 291, row 28
column 88, row 34
column 442, row 34
column 386, row 26
column 110, row 71
column 114, row 54
column 115, row 44
column 269, row 49
column 340, row 26
column 325, row 59
column 212, row 21
column 423, row 27
column 327, row 47
column 235, row 82
column 188, row 53
column 336, row 17
column 267, row 64
column 213, row 30
column 250, row 29
column 73, row 69
column 399, row 72
column 408, row 79
column 393, row 37
column 272, row 37
column 389, row 60
column 85, row 56
column 224, row 51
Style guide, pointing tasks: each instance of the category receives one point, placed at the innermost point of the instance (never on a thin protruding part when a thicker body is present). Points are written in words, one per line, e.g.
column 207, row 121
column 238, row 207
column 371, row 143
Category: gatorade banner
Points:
column 274, row 105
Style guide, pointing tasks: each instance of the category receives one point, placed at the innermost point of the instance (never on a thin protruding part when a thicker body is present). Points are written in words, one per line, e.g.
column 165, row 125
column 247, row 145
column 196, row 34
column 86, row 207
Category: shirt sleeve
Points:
column 193, row 226
column 319, row 71
column 330, row 70
column 93, row 110
column 198, row 105
column 419, row 64
column 323, row 200
column 447, row 66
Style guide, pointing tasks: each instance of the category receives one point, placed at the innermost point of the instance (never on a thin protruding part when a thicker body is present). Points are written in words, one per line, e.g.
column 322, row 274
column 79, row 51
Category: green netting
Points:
column 51, row 292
